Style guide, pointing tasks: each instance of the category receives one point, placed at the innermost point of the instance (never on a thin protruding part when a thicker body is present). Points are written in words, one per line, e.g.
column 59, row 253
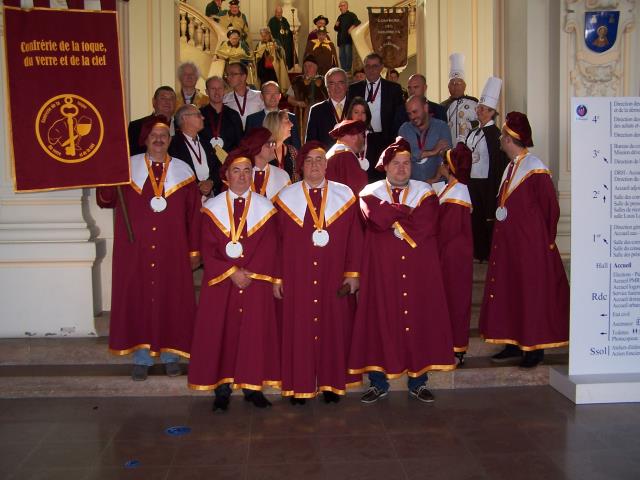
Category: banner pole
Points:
column 125, row 214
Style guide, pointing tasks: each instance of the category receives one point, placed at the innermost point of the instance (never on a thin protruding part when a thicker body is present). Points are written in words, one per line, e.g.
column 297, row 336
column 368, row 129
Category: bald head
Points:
column 417, row 85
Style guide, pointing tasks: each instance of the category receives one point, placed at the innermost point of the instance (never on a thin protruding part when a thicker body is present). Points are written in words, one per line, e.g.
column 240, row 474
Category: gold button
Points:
column 404, row 294
column 315, row 190
column 153, row 228
column 240, row 199
column 315, row 282
column 240, row 310
column 404, row 276
column 315, row 300
column 315, row 263
column 242, row 255
column 406, row 312
column 315, row 338
column 491, row 295
column 403, row 257
column 241, row 237
column 153, row 265
column 153, row 247
column 152, row 282
column 406, row 329
column 315, row 319
column 240, row 291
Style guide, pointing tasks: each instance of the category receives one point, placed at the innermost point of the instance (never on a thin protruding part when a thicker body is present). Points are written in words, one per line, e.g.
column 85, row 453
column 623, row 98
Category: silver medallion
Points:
column 217, row 141
column 158, row 204
column 233, row 249
column 501, row 214
column 320, row 238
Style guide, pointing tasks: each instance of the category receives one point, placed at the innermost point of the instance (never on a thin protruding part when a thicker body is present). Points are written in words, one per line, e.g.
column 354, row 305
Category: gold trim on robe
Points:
column 525, row 348
column 222, row 277
column 153, row 353
column 260, row 210
column 178, row 175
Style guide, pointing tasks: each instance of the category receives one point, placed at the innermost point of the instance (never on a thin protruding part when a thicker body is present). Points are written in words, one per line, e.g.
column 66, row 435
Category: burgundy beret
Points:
column 255, row 139
column 517, row 126
column 305, row 150
column 400, row 145
column 236, row 155
column 148, row 125
column 348, row 127
column 459, row 162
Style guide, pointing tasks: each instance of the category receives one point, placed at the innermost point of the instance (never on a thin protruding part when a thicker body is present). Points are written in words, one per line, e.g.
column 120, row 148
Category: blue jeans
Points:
column 346, row 56
column 143, row 357
column 379, row 380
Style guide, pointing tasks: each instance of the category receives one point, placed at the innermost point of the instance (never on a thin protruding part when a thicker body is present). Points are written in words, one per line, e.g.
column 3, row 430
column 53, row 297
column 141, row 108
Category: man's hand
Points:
column 195, row 262
column 205, row 187
column 240, row 278
column 277, row 291
column 354, row 283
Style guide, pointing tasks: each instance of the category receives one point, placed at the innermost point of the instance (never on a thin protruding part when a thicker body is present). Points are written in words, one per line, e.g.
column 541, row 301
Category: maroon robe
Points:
column 402, row 324
column 343, row 166
column 236, row 339
column 455, row 245
column 152, row 298
column 526, row 297
column 316, row 323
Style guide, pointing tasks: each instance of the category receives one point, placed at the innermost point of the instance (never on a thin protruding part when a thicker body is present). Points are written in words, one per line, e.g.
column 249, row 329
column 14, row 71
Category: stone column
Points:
column 45, row 253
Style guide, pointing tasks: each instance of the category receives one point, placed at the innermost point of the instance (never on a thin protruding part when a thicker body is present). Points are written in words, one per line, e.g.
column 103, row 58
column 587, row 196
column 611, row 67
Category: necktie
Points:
column 396, row 195
column 258, row 180
column 370, row 94
column 339, row 110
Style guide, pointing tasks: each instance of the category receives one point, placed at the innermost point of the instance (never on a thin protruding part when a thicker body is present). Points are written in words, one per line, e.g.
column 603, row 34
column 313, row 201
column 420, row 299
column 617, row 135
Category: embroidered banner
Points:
column 68, row 127
column 389, row 30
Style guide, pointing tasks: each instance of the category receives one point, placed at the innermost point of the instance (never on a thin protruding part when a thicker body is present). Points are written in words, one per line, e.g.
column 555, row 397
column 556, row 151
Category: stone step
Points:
column 26, row 381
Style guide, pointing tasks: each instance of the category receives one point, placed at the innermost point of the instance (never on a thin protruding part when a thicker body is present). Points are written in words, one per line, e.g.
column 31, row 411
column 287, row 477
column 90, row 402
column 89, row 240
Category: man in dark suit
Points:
column 384, row 99
column 271, row 95
column 222, row 124
column 323, row 116
column 164, row 103
column 195, row 151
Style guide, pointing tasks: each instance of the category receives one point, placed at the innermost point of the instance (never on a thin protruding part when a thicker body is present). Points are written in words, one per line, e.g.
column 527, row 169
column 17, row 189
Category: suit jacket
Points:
column 391, row 102
column 231, row 129
column 179, row 149
column 322, row 119
column 256, row 119
column 133, row 132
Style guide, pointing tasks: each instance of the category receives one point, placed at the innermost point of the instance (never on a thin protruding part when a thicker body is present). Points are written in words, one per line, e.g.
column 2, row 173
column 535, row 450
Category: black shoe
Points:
column 532, row 359
column 258, row 399
column 172, row 369
column 330, row 397
column 139, row 373
column 422, row 394
column 221, row 403
column 460, row 357
column 297, row 401
column 373, row 395
column 509, row 353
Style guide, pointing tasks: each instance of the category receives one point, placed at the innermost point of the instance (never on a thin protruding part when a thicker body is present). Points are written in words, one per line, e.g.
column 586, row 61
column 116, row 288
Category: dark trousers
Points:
column 375, row 146
column 483, row 209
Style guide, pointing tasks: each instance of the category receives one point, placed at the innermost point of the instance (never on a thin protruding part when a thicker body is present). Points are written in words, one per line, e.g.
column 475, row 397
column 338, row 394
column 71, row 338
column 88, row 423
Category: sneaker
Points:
column 258, row 399
column 373, row 395
column 139, row 373
column 172, row 369
column 330, row 397
column 508, row 353
column 532, row 359
column 422, row 394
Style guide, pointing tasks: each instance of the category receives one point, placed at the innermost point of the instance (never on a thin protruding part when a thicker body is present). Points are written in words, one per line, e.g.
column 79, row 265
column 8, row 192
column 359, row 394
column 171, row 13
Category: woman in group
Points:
column 271, row 60
column 280, row 125
column 359, row 110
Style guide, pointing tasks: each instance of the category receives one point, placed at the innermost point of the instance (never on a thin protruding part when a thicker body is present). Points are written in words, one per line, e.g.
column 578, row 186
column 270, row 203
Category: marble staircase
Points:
column 83, row 367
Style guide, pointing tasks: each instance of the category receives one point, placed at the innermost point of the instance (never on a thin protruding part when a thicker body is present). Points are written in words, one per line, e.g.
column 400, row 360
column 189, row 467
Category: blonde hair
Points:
column 273, row 121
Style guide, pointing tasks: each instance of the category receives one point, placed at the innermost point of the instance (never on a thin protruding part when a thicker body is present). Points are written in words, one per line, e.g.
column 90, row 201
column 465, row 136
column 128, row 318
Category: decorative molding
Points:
column 598, row 74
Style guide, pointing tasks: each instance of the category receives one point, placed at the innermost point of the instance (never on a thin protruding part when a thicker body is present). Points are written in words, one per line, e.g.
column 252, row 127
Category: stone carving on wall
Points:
column 598, row 74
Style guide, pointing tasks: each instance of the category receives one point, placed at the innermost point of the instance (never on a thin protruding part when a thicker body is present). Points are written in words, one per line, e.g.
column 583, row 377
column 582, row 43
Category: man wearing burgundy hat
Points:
column 526, row 297
column 455, row 243
column 267, row 179
column 152, row 305
column 236, row 342
column 320, row 240
column 343, row 159
column 402, row 323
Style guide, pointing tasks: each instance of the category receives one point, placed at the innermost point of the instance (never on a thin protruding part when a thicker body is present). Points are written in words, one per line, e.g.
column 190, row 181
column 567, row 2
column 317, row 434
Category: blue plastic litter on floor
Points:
column 132, row 464
column 178, row 431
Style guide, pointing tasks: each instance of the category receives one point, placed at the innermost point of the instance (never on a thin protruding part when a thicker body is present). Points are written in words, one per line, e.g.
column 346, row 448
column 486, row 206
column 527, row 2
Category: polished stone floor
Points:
column 500, row 433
